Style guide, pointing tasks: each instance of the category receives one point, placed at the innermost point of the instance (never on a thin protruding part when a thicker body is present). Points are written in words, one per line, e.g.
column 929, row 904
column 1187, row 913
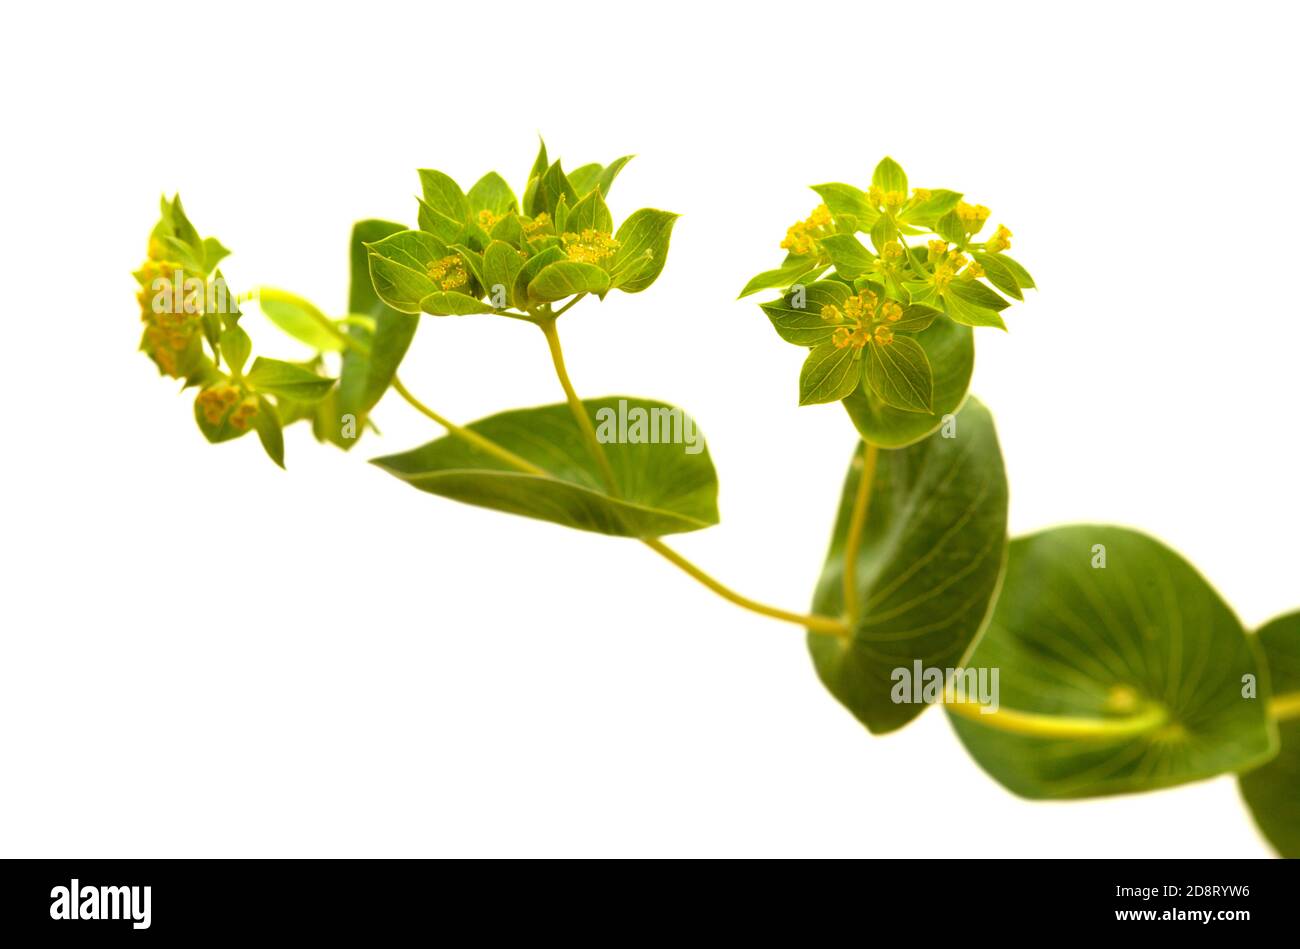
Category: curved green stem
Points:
column 827, row 625
column 468, row 434
column 576, row 407
column 1148, row 719
column 853, row 541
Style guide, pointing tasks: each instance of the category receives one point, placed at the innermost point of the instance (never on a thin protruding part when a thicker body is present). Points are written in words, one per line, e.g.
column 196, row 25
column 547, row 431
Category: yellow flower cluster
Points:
column 801, row 237
column 215, row 402
column 537, row 226
column 1000, row 241
column 972, row 216
column 487, row 220
column 589, row 247
column 171, row 314
column 449, row 272
column 949, row 266
column 870, row 317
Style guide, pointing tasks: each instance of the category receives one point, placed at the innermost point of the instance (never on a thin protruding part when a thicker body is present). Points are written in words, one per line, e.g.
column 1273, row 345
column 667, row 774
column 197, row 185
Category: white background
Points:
column 203, row 655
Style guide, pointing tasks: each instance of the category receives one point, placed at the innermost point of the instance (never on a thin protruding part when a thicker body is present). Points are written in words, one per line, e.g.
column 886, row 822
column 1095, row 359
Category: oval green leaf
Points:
column 951, row 351
column 927, row 569
column 1119, row 667
column 1272, row 791
column 666, row 486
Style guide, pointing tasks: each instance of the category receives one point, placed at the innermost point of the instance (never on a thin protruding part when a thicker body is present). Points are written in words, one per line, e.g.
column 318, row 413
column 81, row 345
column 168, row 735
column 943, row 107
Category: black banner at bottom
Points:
column 133, row 900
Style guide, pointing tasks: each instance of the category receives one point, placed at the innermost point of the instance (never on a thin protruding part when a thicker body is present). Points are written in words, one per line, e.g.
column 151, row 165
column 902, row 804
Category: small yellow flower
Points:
column 831, row 313
column 449, row 272
column 589, row 247
column 972, row 216
column 243, row 415
column 938, row 250
column 891, row 311
column 893, row 250
column 893, row 200
column 537, row 225
column 884, row 335
column 1000, row 241
column 920, row 194
column 487, row 220
column 802, row 236
column 973, row 271
column 216, row 401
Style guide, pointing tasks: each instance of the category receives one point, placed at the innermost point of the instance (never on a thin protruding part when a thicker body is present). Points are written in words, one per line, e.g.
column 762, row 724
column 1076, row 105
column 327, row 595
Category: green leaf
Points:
column 882, row 232
column 564, row 278
column 967, row 313
column 951, row 351
column 531, row 268
column 951, row 229
column 300, row 319
column 269, row 433
column 393, row 330
column 665, row 487
column 889, row 176
column 927, row 213
column 584, row 178
column 553, row 186
column 975, row 293
column 1115, row 675
column 927, row 569
column 590, row 212
column 643, row 249
column 610, row 172
column 438, row 224
column 916, row 318
column 797, row 316
column 829, row 374
column 850, row 258
column 451, row 303
column 787, row 275
column 1272, row 790
column 847, row 201
column 998, row 274
column 491, row 193
column 1020, row 273
column 501, row 266
column 444, row 196
column 399, row 268
column 287, row 380
column 899, row 374
column 235, row 348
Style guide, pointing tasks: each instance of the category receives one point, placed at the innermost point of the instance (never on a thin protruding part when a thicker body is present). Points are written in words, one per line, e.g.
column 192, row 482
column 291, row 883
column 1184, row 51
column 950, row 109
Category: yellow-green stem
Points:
column 827, row 625
column 1285, row 707
column 468, row 434
column 853, row 541
column 575, row 405
column 1148, row 719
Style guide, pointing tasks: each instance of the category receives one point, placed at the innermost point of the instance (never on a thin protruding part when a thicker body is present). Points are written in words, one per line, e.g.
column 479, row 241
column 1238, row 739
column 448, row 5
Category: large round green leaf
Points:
column 951, row 351
column 927, row 569
column 1120, row 669
column 665, row 486
column 1273, row 790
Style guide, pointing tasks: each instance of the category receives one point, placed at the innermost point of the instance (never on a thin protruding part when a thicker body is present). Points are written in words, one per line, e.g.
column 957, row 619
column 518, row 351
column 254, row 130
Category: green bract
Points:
column 1076, row 662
